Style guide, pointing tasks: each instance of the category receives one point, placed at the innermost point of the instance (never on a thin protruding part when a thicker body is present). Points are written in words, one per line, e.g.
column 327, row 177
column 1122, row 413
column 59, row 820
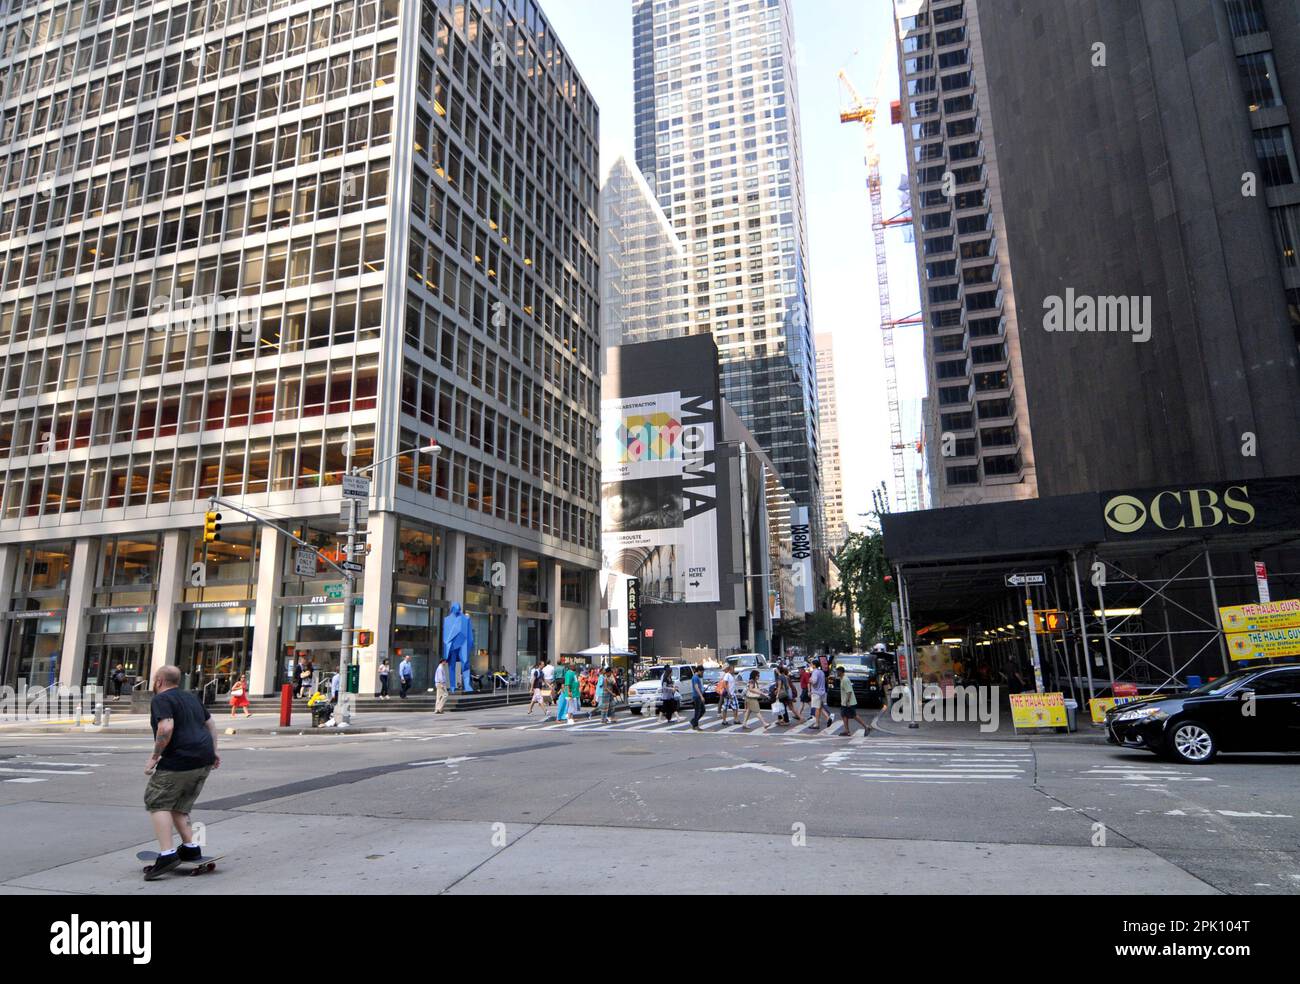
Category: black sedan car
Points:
column 1250, row 710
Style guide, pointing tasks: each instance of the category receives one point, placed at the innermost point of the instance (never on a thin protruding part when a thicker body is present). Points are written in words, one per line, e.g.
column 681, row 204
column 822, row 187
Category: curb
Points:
column 1079, row 737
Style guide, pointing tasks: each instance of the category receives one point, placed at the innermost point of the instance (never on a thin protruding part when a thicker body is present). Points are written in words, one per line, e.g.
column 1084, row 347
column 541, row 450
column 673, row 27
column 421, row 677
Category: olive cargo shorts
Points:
column 174, row 791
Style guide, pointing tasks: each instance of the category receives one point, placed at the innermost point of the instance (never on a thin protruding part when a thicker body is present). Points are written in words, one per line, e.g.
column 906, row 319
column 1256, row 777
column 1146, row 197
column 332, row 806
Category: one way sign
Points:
column 1024, row 580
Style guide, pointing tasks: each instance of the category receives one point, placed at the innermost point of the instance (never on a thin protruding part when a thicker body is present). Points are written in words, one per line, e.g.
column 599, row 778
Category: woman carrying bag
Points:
column 239, row 696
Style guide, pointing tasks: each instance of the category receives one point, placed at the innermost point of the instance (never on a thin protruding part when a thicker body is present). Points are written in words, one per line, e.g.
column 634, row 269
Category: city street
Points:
column 494, row 802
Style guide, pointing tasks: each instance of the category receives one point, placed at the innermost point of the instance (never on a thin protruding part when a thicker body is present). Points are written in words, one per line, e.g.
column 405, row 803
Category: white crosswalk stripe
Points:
column 711, row 723
column 900, row 761
column 25, row 769
column 1151, row 776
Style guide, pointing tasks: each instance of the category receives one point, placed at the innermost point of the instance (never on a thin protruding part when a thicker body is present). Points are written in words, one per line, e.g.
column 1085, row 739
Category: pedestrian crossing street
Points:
column 28, row 769
column 896, row 760
column 711, row 724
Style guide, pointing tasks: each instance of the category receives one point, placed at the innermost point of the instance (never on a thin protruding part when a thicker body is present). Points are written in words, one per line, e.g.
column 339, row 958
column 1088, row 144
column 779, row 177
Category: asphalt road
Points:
column 492, row 802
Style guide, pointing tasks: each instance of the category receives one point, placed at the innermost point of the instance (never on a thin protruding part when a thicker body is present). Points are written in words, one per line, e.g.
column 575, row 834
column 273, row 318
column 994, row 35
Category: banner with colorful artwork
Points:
column 659, row 494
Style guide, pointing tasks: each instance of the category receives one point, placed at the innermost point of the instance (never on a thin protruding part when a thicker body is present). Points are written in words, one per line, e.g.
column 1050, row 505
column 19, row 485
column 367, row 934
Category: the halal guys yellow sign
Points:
column 1171, row 510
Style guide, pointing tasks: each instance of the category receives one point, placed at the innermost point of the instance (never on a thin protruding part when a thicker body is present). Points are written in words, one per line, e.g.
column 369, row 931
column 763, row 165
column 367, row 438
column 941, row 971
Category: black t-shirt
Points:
column 191, row 745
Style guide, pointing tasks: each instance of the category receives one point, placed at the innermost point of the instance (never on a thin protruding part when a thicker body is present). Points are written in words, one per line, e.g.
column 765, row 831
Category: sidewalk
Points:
column 268, row 722
column 884, row 724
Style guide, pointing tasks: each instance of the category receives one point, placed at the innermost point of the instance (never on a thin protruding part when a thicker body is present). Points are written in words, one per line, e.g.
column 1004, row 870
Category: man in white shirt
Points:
column 818, row 687
column 440, row 681
column 727, row 701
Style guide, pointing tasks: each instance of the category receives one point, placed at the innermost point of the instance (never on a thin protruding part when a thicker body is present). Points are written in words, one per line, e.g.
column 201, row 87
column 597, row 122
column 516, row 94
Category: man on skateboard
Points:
column 184, row 752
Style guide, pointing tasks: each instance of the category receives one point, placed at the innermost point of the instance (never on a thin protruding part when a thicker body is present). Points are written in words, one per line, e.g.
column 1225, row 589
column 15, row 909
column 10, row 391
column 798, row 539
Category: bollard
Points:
column 286, row 704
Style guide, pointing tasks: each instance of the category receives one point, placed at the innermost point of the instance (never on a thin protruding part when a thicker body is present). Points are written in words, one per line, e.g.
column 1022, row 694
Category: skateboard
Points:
column 202, row 866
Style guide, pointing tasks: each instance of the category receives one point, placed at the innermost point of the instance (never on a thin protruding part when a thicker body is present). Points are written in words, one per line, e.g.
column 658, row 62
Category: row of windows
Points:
column 214, row 404
column 162, row 120
column 243, row 467
column 85, row 55
column 994, row 465
column 288, row 262
column 52, row 203
column 182, row 300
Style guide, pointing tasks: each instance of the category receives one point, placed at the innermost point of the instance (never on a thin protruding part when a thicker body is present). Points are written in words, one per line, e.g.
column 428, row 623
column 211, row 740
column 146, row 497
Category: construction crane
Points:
column 863, row 111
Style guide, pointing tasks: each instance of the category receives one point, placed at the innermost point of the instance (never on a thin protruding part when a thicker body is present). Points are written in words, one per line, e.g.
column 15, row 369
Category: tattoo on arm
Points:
column 163, row 737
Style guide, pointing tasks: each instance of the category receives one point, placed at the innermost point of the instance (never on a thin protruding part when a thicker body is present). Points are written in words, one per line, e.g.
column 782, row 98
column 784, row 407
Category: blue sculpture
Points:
column 458, row 645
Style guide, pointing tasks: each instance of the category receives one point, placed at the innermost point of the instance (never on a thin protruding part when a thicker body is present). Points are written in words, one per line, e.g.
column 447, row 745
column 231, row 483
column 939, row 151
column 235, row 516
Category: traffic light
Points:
column 211, row 526
column 365, row 638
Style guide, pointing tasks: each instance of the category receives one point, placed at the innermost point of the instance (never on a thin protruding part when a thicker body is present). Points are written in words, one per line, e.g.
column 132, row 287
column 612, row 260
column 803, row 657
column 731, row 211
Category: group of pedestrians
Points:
column 740, row 697
column 559, row 695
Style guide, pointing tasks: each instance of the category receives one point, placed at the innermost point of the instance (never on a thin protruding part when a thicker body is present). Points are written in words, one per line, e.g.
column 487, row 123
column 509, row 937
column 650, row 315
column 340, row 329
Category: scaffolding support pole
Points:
column 1083, row 623
column 914, row 695
column 1214, row 600
column 1105, row 632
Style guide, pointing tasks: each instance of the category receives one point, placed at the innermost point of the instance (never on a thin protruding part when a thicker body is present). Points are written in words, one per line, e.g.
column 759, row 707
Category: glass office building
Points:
column 717, row 137
column 248, row 245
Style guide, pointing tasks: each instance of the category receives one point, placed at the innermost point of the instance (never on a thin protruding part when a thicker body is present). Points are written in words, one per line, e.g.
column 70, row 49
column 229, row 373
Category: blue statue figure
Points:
column 458, row 645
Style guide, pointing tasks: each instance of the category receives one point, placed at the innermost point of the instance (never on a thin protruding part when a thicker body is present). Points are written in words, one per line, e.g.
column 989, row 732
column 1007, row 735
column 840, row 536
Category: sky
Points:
column 830, row 35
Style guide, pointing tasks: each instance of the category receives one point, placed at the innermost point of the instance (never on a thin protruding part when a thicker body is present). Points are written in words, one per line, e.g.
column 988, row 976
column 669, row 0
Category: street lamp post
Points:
column 350, row 580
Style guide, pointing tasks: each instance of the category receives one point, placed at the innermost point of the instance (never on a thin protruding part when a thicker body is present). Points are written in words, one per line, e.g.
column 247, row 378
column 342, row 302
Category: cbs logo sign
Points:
column 1181, row 510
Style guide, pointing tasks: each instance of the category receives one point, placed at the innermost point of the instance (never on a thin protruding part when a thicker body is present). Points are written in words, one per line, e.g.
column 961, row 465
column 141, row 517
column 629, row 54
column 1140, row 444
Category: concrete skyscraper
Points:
column 248, row 245
column 835, row 528
column 717, row 137
column 977, row 425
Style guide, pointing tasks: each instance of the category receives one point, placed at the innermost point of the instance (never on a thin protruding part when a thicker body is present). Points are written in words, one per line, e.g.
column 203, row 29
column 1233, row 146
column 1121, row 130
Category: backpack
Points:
column 721, row 686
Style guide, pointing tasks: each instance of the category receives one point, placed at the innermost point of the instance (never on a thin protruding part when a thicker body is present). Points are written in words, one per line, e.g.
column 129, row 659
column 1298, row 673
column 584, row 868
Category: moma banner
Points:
column 801, row 554
column 659, row 493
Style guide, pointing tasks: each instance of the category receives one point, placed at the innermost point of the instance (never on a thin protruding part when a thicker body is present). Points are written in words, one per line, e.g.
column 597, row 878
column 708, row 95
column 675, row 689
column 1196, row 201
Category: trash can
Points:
column 1071, row 714
column 320, row 713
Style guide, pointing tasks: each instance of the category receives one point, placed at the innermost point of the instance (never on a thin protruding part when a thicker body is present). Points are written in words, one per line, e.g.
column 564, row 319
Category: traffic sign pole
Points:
column 1033, row 644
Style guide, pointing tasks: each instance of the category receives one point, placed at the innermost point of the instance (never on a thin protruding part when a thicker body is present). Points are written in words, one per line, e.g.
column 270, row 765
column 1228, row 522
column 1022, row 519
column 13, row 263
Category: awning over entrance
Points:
column 1137, row 576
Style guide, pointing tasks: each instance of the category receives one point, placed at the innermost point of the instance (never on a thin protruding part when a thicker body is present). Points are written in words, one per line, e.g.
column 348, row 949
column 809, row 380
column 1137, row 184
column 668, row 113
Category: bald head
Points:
column 166, row 678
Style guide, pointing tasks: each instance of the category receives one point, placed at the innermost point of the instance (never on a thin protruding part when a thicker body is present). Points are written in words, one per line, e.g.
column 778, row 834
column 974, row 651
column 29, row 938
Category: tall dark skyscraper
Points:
column 1107, row 208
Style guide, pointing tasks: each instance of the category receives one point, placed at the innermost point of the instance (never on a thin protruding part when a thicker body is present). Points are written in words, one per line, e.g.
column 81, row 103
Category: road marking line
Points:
column 86, row 765
column 49, row 772
column 26, row 780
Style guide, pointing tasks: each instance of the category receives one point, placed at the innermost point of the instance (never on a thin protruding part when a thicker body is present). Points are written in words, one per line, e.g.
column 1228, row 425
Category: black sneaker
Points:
column 164, row 864
column 189, row 853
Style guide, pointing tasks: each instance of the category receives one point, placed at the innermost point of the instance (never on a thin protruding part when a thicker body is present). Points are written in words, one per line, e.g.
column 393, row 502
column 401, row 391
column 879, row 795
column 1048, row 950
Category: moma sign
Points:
column 801, row 555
